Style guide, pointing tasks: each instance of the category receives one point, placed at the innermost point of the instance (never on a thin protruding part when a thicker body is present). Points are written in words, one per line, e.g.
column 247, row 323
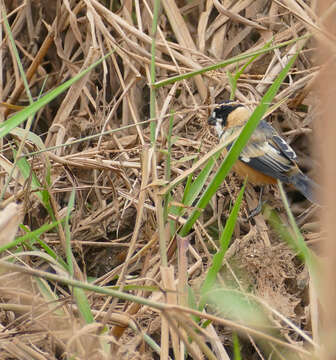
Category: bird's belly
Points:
column 254, row 176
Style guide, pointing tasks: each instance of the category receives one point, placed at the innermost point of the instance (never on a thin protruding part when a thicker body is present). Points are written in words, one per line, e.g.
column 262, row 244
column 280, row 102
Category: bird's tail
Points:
column 306, row 186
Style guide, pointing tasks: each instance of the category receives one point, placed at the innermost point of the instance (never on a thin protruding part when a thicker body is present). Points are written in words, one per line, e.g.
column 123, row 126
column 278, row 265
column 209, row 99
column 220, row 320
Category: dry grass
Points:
column 117, row 177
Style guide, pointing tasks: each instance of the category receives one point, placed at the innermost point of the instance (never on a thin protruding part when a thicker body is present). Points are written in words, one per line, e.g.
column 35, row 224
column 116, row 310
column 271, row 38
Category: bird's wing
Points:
column 267, row 159
column 284, row 147
column 273, row 137
column 268, row 153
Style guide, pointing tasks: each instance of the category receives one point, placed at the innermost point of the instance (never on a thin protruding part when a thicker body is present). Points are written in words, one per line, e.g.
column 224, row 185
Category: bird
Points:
column 267, row 157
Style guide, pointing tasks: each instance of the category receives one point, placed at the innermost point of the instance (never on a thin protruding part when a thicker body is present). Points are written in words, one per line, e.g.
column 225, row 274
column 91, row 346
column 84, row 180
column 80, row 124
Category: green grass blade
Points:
column 45, row 247
column 26, row 171
column 233, row 85
column 17, row 56
column 225, row 63
column 168, row 166
column 194, row 188
column 298, row 243
column 197, row 185
column 83, row 305
column 50, row 297
column 79, row 294
column 67, row 231
column 236, row 347
column 234, row 79
column 30, row 236
column 28, row 136
column 153, row 69
column 224, row 241
column 192, row 302
column 38, row 254
column 17, row 119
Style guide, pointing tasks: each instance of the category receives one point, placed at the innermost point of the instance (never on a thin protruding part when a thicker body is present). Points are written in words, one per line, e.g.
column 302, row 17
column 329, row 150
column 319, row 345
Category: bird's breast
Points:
column 254, row 176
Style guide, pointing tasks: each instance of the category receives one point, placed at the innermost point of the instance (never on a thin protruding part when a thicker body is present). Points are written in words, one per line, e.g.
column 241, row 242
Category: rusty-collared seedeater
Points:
column 267, row 156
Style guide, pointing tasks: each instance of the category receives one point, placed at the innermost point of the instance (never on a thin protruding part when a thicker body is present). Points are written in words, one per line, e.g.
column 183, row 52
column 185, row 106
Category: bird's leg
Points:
column 256, row 211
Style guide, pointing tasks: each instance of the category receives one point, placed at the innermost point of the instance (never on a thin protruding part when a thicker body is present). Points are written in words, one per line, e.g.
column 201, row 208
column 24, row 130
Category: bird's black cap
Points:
column 221, row 112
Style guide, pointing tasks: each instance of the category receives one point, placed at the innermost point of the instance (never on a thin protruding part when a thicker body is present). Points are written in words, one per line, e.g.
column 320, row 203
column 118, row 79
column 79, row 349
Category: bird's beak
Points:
column 212, row 121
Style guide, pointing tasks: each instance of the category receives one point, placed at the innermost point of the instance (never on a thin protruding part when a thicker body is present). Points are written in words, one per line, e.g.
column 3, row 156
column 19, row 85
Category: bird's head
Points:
column 228, row 115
